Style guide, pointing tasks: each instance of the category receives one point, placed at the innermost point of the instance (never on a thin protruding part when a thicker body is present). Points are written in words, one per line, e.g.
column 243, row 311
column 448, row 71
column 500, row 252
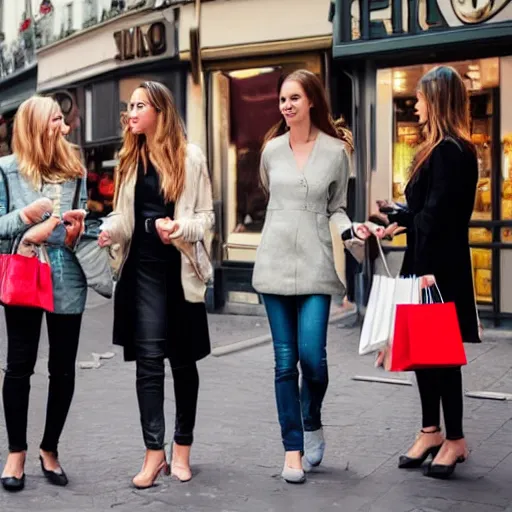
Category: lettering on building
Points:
column 141, row 41
column 374, row 19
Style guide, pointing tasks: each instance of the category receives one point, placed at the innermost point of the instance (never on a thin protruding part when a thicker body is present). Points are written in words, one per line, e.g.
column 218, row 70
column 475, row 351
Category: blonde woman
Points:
column 163, row 200
column 41, row 184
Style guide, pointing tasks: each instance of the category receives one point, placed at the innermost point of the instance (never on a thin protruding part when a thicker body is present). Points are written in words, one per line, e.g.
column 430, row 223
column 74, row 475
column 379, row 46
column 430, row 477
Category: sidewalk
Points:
column 237, row 455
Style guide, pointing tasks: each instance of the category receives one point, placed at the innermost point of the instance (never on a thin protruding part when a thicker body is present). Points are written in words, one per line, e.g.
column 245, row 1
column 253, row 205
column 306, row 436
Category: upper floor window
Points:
column 69, row 17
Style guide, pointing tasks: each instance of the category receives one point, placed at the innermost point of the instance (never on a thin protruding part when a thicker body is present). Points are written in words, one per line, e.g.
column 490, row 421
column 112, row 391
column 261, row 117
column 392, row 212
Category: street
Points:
column 237, row 455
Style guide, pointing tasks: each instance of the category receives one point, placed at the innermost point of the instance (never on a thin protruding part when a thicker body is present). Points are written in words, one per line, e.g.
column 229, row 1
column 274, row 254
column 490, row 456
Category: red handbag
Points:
column 426, row 336
column 26, row 281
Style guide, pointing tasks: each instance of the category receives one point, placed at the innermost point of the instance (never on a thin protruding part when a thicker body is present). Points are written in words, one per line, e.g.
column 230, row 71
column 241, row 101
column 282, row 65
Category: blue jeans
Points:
column 299, row 331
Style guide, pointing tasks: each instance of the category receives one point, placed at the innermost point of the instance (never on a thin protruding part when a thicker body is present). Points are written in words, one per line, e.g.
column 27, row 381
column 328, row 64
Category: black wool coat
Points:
column 440, row 199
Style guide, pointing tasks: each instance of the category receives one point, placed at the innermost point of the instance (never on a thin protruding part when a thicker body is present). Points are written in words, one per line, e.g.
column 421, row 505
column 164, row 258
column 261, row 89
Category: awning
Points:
column 14, row 102
column 16, row 88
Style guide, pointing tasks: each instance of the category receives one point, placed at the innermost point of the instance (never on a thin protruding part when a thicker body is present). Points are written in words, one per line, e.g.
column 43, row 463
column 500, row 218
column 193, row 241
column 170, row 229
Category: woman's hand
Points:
column 36, row 211
column 361, row 231
column 167, row 229
column 386, row 205
column 41, row 232
column 427, row 281
column 74, row 221
column 104, row 239
column 74, row 216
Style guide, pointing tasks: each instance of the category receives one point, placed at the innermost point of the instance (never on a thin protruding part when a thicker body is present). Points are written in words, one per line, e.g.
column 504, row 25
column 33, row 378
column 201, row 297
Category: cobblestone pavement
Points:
column 237, row 456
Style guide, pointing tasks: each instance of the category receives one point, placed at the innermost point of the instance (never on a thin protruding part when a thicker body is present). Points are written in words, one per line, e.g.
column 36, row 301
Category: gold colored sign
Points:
column 477, row 11
column 142, row 41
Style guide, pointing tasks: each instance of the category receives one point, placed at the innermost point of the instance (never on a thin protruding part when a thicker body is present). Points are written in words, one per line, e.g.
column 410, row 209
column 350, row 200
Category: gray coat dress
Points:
column 295, row 256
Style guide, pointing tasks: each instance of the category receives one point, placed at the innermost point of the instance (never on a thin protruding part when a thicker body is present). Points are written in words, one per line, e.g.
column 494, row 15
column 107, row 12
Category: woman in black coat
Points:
column 440, row 197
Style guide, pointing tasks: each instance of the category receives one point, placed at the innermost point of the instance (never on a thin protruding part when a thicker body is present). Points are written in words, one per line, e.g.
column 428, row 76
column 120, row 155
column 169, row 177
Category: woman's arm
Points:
column 11, row 223
column 116, row 223
column 337, row 204
column 195, row 228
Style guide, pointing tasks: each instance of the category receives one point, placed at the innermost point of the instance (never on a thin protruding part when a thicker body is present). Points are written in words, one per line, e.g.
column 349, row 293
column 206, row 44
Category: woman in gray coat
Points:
column 305, row 170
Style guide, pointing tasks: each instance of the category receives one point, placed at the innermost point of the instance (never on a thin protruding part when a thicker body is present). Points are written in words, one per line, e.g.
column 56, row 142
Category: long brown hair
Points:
column 320, row 113
column 447, row 101
column 43, row 155
column 170, row 144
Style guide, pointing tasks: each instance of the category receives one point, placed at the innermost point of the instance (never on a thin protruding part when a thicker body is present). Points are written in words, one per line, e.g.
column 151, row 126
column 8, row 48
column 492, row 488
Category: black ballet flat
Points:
column 54, row 477
column 442, row 471
column 405, row 462
column 13, row 484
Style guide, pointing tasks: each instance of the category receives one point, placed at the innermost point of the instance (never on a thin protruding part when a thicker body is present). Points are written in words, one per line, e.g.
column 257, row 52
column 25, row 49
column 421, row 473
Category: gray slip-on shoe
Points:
column 293, row 476
column 314, row 446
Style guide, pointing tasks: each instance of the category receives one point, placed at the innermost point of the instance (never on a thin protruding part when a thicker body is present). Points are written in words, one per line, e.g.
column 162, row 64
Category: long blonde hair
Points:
column 43, row 155
column 448, row 115
column 170, row 145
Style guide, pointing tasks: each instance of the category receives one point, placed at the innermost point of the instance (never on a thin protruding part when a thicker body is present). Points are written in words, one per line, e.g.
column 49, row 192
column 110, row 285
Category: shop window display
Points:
column 5, row 135
column 253, row 107
column 506, row 189
column 100, row 179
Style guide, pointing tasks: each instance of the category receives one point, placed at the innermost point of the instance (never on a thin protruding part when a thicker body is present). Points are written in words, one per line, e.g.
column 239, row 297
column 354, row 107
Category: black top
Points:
column 440, row 199
column 150, row 204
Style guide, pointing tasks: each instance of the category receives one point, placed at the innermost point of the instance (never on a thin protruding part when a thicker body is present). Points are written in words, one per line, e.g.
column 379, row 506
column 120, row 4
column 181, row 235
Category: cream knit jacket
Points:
column 193, row 211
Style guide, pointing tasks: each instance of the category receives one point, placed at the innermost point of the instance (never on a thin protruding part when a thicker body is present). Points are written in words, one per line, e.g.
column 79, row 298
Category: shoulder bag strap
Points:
column 76, row 198
column 7, row 193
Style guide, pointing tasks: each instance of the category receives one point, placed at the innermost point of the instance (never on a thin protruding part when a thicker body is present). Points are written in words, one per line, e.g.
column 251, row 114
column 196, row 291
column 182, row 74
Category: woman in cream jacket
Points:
column 160, row 232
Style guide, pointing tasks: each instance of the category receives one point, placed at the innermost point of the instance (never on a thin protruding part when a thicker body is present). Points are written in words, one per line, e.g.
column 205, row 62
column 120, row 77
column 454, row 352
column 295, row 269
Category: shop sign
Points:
column 141, row 41
column 376, row 19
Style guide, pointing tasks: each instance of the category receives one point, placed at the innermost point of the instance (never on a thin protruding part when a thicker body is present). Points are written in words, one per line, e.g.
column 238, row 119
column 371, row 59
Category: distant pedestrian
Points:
column 42, row 182
column 440, row 197
column 305, row 170
column 163, row 201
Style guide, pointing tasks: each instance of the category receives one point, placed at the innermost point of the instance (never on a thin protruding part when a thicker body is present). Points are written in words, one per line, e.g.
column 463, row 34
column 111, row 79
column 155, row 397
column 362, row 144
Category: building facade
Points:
column 26, row 26
column 92, row 74
column 385, row 46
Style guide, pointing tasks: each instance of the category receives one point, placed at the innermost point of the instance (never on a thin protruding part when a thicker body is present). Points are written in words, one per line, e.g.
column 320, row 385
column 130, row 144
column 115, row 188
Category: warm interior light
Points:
column 249, row 73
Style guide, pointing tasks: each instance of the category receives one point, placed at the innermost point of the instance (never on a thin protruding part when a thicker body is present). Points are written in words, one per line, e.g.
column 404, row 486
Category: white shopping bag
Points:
column 385, row 294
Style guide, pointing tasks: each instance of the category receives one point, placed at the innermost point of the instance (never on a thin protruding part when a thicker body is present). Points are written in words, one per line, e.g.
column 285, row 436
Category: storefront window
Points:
column 6, row 124
column 254, row 109
column 101, row 162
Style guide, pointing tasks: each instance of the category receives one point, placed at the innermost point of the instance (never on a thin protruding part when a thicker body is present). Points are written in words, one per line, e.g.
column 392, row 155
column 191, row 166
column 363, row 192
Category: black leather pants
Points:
column 150, row 394
column 153, row 293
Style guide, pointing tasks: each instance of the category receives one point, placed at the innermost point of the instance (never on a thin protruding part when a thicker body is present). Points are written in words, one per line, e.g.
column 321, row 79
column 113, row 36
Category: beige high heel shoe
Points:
column 180, row 472
column 147, row 476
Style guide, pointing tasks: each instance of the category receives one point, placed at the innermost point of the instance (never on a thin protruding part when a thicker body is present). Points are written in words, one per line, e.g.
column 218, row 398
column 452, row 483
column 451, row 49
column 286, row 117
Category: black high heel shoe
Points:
column 54, row 477
column 405, row 462
column 443, row 471
column 13, row 484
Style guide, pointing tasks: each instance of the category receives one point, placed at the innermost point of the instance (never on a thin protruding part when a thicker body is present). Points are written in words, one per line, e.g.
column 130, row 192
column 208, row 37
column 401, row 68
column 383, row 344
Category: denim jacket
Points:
column 69, row 283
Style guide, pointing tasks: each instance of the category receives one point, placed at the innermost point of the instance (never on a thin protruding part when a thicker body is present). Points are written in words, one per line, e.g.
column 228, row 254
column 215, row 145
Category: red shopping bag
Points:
column 25, row 281
column 426, row 336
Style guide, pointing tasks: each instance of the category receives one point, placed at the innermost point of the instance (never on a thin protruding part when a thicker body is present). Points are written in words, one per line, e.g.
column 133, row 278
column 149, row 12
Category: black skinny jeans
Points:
column 442, row 385
column 23, row 333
